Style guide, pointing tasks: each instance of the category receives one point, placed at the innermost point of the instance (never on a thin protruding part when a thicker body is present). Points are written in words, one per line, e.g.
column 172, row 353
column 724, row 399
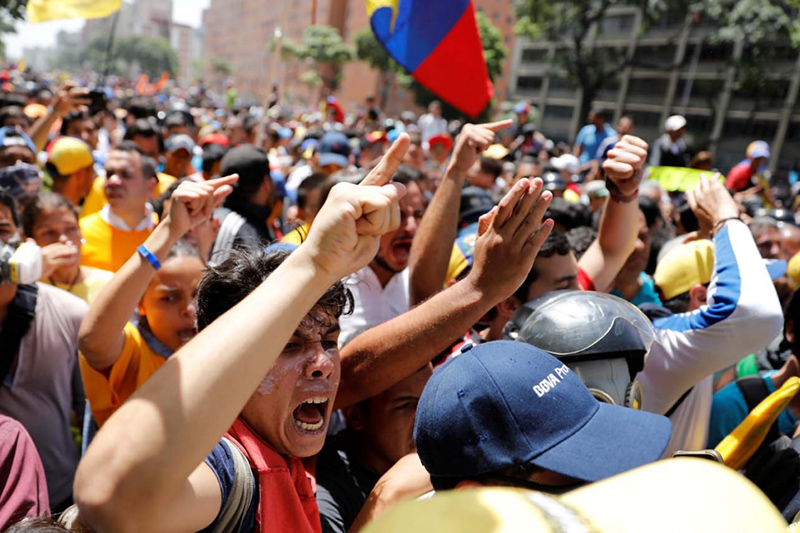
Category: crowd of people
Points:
column 221, row 318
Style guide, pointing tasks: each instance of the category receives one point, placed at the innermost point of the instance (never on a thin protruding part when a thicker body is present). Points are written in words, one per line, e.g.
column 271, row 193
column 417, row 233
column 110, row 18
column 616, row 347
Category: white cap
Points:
column 674, row 123
column 567, row 162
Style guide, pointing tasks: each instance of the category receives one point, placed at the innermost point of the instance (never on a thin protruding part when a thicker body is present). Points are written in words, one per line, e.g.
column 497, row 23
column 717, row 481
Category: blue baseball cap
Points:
column 475, row 202
column 14, row 137
column 503, row 404
column 334, row 149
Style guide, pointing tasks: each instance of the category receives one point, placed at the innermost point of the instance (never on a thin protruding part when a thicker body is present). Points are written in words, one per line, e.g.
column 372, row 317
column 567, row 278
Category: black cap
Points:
column 474, row 203
column 252, row 165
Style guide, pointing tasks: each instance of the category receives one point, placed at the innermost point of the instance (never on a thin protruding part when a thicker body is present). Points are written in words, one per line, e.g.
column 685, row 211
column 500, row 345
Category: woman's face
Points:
column 58, row 225
column 168, row 302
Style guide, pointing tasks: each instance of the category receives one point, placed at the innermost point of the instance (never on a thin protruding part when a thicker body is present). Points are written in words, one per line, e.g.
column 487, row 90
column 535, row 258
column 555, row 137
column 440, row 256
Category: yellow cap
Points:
column 684, row 267
column 693, row 495
column 793, row 271
column 70, row 155
column 496, row 151
column 35, row 111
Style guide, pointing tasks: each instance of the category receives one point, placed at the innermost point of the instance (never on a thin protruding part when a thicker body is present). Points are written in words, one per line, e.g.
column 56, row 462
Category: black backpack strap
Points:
column 16, row 325
column 755, row 390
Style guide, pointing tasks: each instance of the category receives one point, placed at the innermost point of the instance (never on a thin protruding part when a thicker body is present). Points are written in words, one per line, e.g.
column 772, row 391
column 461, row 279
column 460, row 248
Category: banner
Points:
column 44, row 10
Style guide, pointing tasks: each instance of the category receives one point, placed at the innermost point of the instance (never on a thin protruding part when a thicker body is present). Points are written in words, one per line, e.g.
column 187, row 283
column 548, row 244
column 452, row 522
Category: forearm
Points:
column 386, row 354
column 40, row 130
column 616, row 239
column 101, row 337
column 433, row 243
column 150, row 446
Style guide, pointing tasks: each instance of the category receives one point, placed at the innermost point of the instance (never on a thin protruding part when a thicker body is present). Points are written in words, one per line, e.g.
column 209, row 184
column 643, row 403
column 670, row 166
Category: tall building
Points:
column 676, row 69
column 241, row 34
column 187, row 43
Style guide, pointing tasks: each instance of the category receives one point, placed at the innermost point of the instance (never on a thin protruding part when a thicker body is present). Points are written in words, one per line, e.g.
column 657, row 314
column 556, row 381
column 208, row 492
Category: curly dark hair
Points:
column 225, row 285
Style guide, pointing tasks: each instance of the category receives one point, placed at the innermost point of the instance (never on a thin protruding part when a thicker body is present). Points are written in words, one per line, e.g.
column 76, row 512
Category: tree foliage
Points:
column 570, row 24
column 153, row 56
column 11, row 11
column 494, row 52
column 322, row 47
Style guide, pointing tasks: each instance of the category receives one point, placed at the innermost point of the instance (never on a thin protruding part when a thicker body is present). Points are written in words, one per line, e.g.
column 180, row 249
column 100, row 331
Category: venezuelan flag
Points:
column 437, row 41
column 44, row 10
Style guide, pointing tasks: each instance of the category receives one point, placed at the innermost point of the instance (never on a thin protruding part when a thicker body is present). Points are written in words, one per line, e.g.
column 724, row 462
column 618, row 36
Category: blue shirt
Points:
column 646, row 295
column 591, row 139
column 729, row 409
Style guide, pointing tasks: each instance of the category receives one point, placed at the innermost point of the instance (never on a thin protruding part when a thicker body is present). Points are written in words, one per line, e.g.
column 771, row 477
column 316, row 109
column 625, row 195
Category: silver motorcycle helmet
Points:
column 602, row 338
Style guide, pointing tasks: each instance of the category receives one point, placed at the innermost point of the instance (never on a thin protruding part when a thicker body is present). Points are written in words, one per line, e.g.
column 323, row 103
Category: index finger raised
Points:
column 388, row 165
column 225, row 180
column 499, row 125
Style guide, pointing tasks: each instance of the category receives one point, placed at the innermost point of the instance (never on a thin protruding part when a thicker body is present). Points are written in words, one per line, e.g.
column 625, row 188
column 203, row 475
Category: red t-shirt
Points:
column 585, row 281
column 740, row 177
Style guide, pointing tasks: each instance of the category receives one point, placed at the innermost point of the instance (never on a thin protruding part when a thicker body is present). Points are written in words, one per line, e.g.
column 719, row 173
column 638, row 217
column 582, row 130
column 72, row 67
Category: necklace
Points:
column 71, row 285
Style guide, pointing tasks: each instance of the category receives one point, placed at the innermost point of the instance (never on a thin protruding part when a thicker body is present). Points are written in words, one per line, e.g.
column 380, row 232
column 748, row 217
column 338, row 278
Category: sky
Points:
column 44, row 34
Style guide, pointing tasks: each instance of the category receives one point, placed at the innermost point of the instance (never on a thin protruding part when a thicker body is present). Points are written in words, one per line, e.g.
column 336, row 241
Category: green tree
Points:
column 154, row 55
column 370, row 50
column 571, row 24
column 11, row 11
column 322, row 47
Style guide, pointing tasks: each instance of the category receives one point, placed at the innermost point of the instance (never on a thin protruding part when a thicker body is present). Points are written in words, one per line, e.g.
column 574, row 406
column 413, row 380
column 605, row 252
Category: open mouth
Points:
column 310, row 415
column 185, row 335
column 401, row 250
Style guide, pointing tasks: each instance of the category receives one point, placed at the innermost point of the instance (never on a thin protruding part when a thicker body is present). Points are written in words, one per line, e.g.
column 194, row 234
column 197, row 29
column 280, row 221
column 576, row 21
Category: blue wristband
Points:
column 147, row 254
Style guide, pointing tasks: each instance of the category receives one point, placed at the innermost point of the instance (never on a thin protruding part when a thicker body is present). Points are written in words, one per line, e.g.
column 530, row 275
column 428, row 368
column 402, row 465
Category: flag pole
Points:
column 110, row 49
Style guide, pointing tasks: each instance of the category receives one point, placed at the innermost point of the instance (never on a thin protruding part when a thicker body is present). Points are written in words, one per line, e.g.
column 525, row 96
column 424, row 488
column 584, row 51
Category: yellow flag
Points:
column 44, row 10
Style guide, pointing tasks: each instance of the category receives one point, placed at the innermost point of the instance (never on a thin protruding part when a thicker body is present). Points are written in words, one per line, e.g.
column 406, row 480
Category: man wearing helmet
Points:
column 720, row 325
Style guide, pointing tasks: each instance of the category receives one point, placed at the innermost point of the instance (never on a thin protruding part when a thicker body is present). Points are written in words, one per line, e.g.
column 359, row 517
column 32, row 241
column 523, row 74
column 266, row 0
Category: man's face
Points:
column 790, row 241
column 8, row 230
column 292, row 406
column 168, row 302
column 9, row 156
column 17, row 123
column 638, row 260
column 478, row 178
column 527, row 170
column 625, row 127
column 85, row 130
column 177, row 163
column 415, row 157
column 556, row 273
column 235, row 133
column 395, row 246
column 57, row 225
column 768, row 241
column 148, row 144
column 384, row 424
column 126, row 186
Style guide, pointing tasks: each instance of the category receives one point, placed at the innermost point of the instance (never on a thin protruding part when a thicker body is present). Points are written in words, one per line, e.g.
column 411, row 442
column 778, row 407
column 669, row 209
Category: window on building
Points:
column 647, row 87
column 534, row 55
column 753, row 129
column 645, row 119
column 561, row 84
column 654, row 56
column 529, row 83
column 616, row 25
column 716, row 53
column 558, row 112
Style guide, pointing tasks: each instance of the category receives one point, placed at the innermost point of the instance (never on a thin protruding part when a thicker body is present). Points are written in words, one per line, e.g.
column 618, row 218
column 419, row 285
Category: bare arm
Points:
column 101, row 338
column 619, row 226
column 433, row 243
column 138, row 473
column 68, row 99
column 384, row 355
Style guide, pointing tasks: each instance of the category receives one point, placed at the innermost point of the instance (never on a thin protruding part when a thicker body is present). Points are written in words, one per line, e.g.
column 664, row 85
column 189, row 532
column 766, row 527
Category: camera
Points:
column 20, row 263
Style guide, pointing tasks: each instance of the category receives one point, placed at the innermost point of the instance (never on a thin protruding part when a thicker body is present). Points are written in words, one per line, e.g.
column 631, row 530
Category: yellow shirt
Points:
column 107, row 390
column 90, row 287
column 96, row 198
column 297, row 236
column 106, row 247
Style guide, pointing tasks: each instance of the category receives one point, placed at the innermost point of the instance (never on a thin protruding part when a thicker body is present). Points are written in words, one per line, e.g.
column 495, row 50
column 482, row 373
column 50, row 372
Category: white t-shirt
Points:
column 373, row 304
